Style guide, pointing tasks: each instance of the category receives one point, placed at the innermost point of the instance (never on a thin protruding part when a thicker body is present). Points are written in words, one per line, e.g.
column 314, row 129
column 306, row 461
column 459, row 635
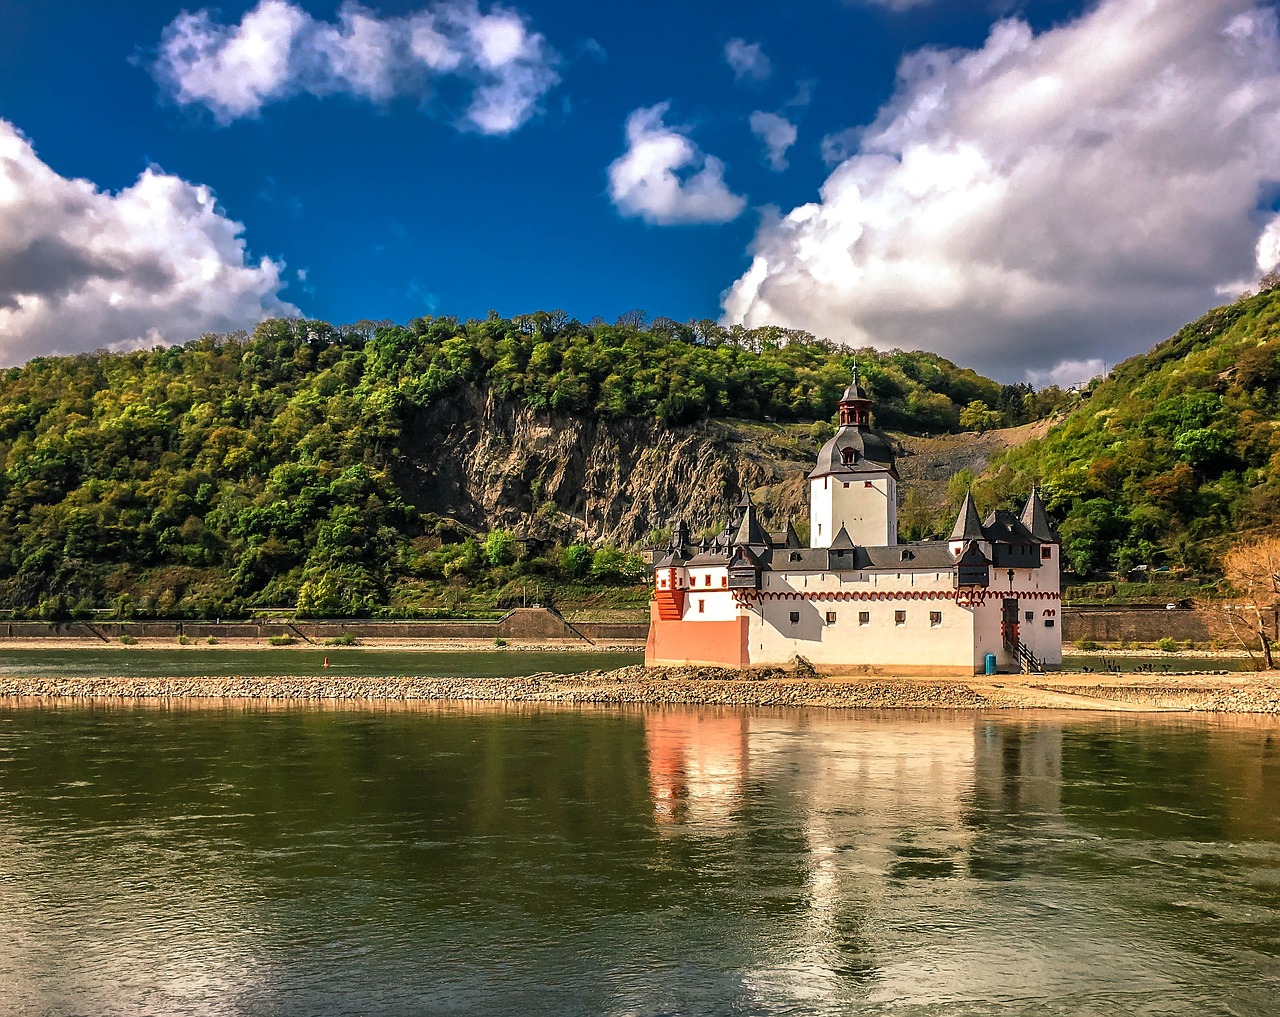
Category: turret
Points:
column 968, row 526
column 855, row 482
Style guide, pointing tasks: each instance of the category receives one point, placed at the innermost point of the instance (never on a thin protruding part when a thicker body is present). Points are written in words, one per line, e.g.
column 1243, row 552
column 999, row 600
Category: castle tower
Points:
column 855, row 483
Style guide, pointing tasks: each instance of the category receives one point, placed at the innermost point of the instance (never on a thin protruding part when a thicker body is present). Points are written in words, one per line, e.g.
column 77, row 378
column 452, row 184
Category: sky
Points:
column 1035, row 189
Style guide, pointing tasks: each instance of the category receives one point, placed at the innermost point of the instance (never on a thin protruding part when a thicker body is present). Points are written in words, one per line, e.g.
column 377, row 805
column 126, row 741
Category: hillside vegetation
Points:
column 1171, row 455
column 267, row 470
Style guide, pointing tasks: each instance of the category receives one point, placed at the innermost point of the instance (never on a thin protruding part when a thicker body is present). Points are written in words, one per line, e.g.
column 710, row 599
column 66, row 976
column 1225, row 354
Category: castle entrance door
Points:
column 1009, row 624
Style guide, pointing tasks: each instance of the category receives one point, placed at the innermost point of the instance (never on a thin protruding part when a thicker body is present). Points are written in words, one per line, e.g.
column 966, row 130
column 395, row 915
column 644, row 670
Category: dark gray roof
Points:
column 1003, row 527
column 972, row 555
column 707, row 558
column 872, row 454
column 1036, row 520
column 968, row 526
column 842, row 539
column 853, row 393
column 749, row 530
column 928, row 555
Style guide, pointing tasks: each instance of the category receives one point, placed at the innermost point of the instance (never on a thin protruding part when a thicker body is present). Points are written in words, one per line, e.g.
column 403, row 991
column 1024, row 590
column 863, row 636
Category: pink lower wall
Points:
column 717, row 643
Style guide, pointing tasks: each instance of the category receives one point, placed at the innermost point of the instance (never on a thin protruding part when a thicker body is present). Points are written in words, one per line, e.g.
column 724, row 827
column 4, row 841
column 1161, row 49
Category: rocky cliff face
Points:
column 490, row 462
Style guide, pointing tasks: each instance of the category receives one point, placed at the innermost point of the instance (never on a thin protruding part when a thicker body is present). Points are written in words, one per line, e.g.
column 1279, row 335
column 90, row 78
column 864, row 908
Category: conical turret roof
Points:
column 749, row 530
column 968, row 526
column 1035, row 519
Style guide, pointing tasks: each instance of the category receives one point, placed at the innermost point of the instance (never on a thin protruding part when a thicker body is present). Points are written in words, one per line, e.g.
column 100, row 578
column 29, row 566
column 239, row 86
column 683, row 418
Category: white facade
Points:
column 865, row 504
column 856, row 600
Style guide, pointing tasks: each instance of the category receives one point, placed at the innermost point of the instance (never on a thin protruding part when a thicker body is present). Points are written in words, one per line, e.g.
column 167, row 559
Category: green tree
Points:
column 500, row 547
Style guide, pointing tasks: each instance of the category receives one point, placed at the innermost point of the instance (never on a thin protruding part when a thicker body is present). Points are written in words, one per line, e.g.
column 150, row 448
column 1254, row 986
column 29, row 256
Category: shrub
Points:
column 346, row 639
column 284, row 639
column 128, row 640
column 212, row 640
column 1086, row 644
column 499, row 642
column 184, row 639
column 1167, row 645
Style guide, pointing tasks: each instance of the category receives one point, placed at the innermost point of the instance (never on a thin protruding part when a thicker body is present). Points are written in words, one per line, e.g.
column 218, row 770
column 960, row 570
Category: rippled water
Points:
column 440, row 859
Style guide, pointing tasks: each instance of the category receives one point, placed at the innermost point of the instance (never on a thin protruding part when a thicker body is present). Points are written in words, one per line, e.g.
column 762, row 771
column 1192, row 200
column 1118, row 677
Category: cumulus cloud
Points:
column 1068, row 373
column 665, row 179
column 81, row 269
column 278, row 51
column 747, row 60
column 1071, row 195
column 777, row 134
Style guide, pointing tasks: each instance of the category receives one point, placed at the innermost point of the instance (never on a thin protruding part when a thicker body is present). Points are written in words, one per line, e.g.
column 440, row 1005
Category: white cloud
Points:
column 278, row 51
column 1268, row 249
column 1067, row 373
column 665, row 179
column 777, row 134
column 747, row 60
column 82, row 269
column 1072, row 195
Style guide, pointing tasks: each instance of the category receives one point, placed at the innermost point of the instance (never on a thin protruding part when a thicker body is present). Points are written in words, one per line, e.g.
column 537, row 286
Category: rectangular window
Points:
column 702, row 604
column 867, row 483
column 1029, row 615
column 831, row 617
column 1048, row 623
column 846, row 483
column 864, row 617
column 899, row 617
column 935, row 619
column 724, row 581
column 795, row 617
column 1046, row 551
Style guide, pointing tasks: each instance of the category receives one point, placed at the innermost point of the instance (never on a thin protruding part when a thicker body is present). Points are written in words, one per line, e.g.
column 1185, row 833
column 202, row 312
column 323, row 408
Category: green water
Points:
column 503, row 860
column 134, row 662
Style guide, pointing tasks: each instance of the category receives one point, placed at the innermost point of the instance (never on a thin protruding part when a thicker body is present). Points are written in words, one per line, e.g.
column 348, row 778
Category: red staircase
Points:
column 670, row 604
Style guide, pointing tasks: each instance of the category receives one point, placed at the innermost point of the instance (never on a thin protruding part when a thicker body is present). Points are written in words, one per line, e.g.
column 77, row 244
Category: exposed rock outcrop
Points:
column 488, row 461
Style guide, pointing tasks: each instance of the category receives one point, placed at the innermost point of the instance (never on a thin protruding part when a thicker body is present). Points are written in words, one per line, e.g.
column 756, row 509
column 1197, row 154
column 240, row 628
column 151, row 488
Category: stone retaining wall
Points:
column 525, row 623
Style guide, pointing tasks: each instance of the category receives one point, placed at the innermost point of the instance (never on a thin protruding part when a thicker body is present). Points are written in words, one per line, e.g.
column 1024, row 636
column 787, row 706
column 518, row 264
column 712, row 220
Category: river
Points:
column 440, row 858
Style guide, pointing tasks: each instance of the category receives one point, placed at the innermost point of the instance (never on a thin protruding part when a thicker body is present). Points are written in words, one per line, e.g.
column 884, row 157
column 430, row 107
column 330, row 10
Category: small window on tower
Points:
column 1046, row 551
column 935, row 619
column 1029, row 615
column 846, row 483
column 702, row 605
column 795, row 617
column 899, row 618
column 724, row 581
column 831, row 617
column 867, row 483
column 864, row 617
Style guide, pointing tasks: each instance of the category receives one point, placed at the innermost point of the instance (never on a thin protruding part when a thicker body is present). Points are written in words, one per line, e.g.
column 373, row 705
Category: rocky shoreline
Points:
column 701, row 686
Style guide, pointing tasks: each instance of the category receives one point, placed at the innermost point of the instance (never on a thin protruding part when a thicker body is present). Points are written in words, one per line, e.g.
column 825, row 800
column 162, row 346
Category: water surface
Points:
column 505, row 860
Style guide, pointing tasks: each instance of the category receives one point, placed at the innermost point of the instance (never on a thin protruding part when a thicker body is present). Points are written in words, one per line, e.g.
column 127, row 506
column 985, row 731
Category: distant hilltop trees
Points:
column 260, row 470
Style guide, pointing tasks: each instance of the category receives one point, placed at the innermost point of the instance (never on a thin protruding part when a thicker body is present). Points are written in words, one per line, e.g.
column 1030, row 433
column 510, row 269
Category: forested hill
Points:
column 1178, row 449
column 311, row 464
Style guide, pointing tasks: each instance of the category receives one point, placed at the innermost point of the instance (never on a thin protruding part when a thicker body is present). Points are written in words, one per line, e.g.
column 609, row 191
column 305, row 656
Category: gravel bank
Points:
column 704, row 686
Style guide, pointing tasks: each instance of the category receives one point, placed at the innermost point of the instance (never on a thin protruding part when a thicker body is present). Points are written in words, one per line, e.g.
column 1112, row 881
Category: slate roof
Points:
column 1003, row 527
column 1036, row 520
column 968, row 526
column 927, row 555
column 872, row 454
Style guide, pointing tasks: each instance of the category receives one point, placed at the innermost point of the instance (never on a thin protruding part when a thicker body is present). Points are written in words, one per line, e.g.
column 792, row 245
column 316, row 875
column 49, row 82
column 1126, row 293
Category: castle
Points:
column 856, row 598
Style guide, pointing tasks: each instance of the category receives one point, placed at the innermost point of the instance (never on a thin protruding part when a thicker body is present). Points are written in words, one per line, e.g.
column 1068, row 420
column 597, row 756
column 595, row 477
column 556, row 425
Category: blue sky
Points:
column 376, row 188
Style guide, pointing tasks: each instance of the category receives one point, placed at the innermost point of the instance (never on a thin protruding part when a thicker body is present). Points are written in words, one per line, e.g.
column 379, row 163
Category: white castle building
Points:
column 856, row 599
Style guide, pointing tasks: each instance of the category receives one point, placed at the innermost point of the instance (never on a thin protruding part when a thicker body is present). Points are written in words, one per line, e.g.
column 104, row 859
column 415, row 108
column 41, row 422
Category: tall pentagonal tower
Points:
column 855, row 484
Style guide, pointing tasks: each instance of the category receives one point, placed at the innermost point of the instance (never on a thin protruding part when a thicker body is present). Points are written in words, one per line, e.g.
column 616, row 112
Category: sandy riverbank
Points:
column 710, row 686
